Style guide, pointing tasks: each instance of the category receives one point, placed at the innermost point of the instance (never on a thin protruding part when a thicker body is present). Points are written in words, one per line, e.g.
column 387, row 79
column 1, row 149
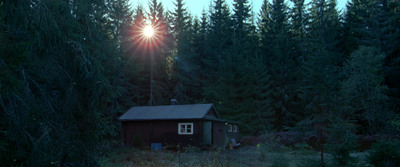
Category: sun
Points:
column 148, row 31
column 148, row 34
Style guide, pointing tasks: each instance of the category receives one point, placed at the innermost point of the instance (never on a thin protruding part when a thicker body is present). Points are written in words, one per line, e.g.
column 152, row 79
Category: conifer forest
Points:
column 70, row 68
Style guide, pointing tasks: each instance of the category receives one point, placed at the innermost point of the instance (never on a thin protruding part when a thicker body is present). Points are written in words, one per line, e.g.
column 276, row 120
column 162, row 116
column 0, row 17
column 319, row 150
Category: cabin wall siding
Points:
column 160, row 131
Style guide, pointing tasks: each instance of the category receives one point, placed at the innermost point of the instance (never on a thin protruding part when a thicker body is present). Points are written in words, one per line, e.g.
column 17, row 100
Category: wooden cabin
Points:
column 170, row 125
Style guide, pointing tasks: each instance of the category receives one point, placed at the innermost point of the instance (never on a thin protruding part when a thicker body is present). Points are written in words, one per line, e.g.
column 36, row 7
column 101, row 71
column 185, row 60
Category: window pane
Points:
column 189, row 128
column 183, row 129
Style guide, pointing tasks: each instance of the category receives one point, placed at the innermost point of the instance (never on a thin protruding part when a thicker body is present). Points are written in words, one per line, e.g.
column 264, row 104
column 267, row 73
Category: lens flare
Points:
column 148, row 31
column 148, row 35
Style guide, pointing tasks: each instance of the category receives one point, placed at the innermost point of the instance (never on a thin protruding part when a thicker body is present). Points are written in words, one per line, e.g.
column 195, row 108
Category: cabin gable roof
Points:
column 169, row 112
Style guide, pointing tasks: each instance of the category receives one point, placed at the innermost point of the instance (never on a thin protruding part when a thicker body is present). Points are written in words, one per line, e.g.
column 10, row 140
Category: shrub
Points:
column 341, row 141
column 250, row 140
column 310, row 162
column 385, row 153
column 272, row 145
column 279, row 161
column 365, row 142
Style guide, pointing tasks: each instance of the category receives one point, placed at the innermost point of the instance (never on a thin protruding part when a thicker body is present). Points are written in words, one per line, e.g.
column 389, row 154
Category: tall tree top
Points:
column 242, row 15
column 220, row 15
column 181, row 17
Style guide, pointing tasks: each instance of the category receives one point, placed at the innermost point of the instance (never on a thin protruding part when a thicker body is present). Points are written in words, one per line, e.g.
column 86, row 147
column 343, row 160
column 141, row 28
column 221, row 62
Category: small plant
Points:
column 279, row 160
column 385, row 153
column 272, row 145
column 191, row 149
column 216, row 157
column 263, row 151
column 341, row 142
column 310, row 162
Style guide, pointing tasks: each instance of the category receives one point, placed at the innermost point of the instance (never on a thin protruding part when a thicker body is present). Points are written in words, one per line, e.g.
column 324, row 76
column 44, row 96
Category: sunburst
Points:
column 148, row 31
column 149, row 35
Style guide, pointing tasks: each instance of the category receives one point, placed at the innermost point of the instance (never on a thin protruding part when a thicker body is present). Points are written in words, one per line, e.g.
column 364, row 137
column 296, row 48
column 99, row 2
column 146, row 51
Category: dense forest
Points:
column 69, row 68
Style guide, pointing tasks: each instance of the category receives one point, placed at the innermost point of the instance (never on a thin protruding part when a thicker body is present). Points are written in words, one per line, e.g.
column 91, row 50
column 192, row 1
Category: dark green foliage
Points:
column 69, row 68
column 279, row 56
column 363, row 90
column 62, row 97
column 218, row 41
column 385, row 153
column 341, row 142
column 186, row 84
column 299, row 27
column 376, row 24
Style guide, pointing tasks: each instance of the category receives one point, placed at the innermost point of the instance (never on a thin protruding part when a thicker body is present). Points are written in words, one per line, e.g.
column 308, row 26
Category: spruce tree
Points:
column 279, row 55
column 374, row 24
column 363, row 90
column 186, row 80
column 321, row 70
column 62, row 60
column 218, row 42
column 299, row 27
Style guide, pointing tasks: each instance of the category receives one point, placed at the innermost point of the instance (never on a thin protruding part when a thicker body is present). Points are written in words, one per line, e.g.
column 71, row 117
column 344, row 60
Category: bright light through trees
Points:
column 149, row 35
column 148, row 31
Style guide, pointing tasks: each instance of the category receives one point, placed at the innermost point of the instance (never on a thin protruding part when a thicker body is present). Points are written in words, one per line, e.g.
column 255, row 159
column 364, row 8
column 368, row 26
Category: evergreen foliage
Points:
column 277, row 47
column 363, row 89
column 69, row 68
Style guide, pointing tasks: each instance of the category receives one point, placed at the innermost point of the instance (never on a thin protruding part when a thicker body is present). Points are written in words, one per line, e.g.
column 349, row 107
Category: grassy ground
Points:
column 243, row 156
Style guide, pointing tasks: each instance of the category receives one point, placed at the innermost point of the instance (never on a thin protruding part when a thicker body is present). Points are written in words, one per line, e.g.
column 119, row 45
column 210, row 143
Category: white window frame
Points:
column 184, row 131
column 235, row 128
column 229, row 127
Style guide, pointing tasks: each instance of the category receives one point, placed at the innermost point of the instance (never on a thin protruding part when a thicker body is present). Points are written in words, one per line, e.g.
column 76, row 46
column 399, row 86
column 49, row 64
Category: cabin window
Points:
column 229, row 127
column 235, row 128
column 185, row 128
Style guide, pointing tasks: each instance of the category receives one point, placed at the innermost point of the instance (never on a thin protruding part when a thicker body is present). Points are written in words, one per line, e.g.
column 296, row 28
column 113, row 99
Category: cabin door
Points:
column 207, row 132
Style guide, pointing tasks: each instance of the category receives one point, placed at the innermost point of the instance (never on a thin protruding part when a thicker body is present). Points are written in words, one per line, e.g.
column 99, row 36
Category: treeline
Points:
column 283, row 67
column 69, row 68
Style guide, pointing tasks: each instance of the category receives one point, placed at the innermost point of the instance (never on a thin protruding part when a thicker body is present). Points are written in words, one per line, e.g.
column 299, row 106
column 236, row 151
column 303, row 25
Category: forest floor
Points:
column 243, row 156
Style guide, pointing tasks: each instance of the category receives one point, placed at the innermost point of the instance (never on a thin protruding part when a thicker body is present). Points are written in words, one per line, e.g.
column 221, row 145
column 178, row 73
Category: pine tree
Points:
column 242, row 27
column 218, row 42
column 152, row 55
column 373, row 23
column 185, row 74
column 299, row 27
column 253, row 107
column 392, row 60
column 363, row 90
column 63, row 104
column 321, row 69
column 279, row 56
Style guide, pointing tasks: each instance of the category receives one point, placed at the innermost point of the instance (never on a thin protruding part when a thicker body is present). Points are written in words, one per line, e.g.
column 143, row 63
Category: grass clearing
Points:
column 243, row 156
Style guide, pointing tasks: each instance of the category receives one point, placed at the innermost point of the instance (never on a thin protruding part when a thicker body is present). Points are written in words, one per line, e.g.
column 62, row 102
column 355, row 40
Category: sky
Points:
column 195, row 7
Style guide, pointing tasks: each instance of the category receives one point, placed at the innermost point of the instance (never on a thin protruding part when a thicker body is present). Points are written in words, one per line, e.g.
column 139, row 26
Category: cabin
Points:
column 171, row 125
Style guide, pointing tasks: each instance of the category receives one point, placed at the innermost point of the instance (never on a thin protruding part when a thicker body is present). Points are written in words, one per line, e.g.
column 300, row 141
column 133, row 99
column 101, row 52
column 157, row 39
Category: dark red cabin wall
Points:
column 160, row 131
column 138, row 131
column 212, row 113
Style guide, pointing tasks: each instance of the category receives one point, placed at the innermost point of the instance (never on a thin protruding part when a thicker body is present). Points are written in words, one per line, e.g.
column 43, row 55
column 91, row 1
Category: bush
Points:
column 365, row 142
column 270, row 146
column 341, row 149
column 342, row 141
column 250, row 140
column 385, row 153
